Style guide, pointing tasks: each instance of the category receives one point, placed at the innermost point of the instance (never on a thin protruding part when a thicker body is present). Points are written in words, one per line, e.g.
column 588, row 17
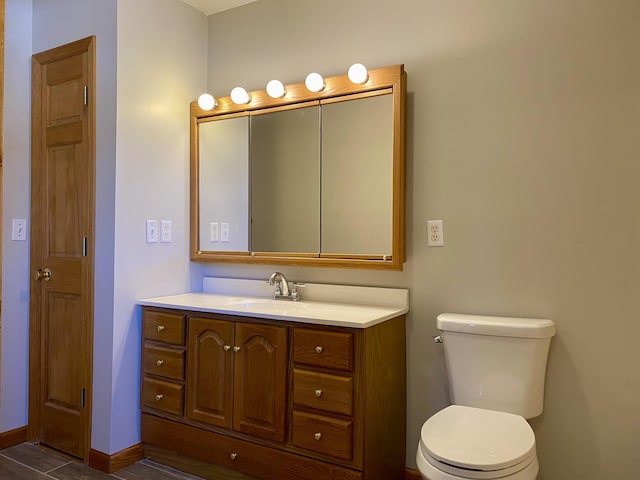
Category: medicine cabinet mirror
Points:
column 308, row 179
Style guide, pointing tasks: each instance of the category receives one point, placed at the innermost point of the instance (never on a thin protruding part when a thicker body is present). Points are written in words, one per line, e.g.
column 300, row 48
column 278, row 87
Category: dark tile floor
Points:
column 30, row 462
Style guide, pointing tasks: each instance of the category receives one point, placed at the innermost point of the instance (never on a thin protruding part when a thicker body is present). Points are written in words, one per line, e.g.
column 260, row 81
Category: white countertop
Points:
column 321, row 313
column 352, row 306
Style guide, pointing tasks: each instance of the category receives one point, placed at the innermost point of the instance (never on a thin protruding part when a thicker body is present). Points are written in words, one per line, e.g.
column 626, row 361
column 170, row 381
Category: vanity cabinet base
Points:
column 252, row 459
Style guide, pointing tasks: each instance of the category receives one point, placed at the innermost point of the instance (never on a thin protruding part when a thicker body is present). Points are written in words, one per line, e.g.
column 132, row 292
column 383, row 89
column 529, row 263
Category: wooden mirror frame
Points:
column 392, row 78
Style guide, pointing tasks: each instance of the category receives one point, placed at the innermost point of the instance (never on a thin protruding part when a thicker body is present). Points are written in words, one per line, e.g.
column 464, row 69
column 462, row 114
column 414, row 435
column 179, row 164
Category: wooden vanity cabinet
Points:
column 281, row 400
column 237, row 376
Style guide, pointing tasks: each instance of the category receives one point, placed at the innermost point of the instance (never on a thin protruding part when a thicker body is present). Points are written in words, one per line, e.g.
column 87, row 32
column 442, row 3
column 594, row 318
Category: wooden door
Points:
column 209, row 371
column 260, row 380
column 62, row 258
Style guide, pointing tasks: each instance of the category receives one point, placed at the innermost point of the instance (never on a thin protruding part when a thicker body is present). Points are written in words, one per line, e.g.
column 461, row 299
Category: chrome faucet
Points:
column 282, row 285
column 282, row 291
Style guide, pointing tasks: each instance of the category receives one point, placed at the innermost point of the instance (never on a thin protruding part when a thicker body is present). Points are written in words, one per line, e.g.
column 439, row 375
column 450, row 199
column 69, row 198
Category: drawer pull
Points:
column 160, row 328
column 159, row 397
column 318, row 393
column 317, row 435
column 236, row 349
column 160, row 362
column 227, row 348
column 319, row 349
column 233, row 456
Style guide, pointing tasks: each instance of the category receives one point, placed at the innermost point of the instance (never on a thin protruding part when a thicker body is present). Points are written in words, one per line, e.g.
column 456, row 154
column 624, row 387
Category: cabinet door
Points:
column 260, row 381
column 210, row 370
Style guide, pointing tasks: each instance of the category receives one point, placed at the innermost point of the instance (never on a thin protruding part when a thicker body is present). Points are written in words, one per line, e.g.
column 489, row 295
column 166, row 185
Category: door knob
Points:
column 42, row 275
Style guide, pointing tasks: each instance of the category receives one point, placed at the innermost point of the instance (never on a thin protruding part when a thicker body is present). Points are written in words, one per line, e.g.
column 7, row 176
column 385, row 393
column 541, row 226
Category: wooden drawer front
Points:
column 259, row 461
column 323, row 348
column 164, row 327
column 331, row 393
column 327, row 435
column 164, row 362
column 163, row 395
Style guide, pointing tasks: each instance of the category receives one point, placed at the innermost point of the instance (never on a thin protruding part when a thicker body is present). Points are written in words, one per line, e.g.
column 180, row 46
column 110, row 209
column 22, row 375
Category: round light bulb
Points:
column 275, row 89
column 314, row 82
column 206, row 102
column 240, row 96
column 358, row 73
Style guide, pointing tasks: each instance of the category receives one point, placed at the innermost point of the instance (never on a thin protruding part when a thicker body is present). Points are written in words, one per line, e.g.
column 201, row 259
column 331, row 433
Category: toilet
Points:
column 496, row 369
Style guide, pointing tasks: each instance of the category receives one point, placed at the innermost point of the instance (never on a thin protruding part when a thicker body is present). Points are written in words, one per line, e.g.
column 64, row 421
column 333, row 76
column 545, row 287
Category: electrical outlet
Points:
column 435, row 233
column 152, row 231
column 19, row 229
column 224, row 232
column 165, row 231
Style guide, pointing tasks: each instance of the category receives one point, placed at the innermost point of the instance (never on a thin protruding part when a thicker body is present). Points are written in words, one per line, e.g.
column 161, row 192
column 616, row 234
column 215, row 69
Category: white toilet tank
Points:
column 496, row 363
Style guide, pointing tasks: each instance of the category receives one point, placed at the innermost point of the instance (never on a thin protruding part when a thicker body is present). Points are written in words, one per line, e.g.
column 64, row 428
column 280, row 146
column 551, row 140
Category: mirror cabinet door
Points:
column 357, row 176
column 224, row 183
column 285, row 181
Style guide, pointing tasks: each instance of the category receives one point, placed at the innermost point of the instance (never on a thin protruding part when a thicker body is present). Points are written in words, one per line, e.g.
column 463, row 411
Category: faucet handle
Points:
column 295, row 294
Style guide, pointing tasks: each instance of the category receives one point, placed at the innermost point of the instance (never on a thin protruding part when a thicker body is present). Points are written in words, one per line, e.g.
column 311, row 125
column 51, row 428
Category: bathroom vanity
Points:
column 276, row 389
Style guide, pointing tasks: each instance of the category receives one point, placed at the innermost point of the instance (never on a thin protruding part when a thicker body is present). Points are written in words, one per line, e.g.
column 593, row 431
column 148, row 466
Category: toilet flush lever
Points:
column 437, row 339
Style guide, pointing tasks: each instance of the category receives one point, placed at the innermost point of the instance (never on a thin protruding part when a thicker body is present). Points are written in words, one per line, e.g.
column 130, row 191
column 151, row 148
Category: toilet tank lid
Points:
column 498, row 326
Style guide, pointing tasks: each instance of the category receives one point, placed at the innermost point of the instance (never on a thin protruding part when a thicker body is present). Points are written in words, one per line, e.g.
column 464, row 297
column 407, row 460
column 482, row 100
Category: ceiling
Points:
column 209, row 7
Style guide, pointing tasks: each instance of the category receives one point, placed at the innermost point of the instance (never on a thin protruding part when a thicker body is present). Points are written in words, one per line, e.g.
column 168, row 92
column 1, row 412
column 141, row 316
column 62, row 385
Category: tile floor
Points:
column 29, row 462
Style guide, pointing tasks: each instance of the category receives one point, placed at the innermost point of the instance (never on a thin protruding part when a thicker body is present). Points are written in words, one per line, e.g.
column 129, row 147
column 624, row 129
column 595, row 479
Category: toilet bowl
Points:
column 462, row 442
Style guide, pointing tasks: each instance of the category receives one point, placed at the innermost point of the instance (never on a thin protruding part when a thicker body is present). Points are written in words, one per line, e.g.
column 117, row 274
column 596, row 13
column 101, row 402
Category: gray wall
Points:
column 523, row 137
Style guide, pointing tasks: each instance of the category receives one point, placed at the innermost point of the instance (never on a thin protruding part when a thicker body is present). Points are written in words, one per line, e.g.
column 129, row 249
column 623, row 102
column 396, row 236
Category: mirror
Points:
column 308, row 179
column 285, row 181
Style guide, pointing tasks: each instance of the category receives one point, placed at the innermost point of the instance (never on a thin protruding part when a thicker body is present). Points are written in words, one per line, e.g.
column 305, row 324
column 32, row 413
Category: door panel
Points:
column 209, row 396
column 62, row 224
column 260, row 380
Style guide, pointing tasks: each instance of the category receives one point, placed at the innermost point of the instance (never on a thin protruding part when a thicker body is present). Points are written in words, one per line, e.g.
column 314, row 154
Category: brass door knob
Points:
column 44, row 274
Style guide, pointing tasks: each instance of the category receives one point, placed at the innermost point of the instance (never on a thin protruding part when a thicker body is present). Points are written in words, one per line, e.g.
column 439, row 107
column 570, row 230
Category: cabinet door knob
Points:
column 233, row 456
column 318, row 393
column 319, row 349
column 160, row 362
column 159, row 397
column 317, row 435
column 227, row 348
column 236, row 349
column 160, row 328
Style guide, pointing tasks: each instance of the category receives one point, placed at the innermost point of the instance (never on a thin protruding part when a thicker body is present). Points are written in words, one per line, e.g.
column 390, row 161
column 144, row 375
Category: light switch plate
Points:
column 224, row 232
column 165, row 231
column 152, row 231
column 214, row 231
column 19, row 229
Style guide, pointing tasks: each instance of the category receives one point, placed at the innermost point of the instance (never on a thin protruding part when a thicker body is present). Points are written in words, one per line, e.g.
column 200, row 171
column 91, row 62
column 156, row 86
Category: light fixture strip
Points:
column 379, row 78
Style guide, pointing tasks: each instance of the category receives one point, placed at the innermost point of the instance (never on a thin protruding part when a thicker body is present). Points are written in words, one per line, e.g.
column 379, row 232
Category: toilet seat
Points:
column 476, row 443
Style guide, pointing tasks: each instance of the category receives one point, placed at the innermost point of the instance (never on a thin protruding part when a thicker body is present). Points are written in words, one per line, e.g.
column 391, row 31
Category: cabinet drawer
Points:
column 327, row 435
column 323, row 348
column 163, row 327
column 163, row 362
column 331, row 393
column 163, row 395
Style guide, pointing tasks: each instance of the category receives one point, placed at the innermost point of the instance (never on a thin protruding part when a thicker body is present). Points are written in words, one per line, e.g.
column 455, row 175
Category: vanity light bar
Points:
column 314, row 82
